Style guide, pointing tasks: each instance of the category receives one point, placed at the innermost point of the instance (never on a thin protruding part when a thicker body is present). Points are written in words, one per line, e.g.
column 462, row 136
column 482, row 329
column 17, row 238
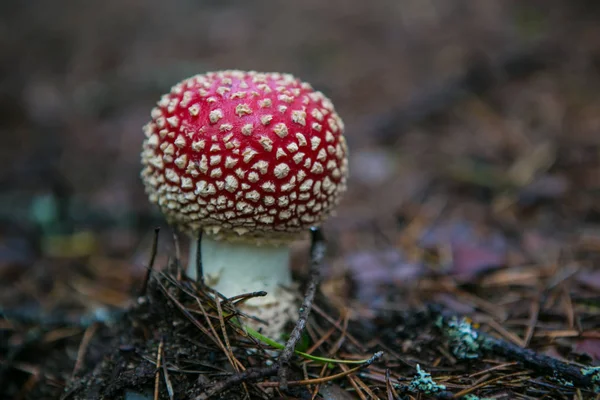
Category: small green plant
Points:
column 266, row 340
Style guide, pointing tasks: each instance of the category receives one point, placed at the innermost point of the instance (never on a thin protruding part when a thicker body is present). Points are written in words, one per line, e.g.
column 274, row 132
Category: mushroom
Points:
column 249, row 161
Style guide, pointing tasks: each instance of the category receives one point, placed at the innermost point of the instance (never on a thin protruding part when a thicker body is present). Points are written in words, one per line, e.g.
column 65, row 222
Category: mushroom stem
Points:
column 238, row 267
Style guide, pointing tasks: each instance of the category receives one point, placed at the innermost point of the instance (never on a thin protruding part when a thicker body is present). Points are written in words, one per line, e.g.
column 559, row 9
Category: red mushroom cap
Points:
column 245, row 155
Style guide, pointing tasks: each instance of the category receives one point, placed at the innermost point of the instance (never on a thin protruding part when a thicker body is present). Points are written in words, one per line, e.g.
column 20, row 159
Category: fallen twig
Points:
column 159, row 353
column 251, row 374
column 151, row 263
column 83, row 347
column 471, row 342
column 305, row 382
column 165, row 371
column 199, row 269
column 317, row 253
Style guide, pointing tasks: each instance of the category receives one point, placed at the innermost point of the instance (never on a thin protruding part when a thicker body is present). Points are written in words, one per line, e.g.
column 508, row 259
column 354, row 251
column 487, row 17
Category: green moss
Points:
column 44, row 211
column 594, row 372
column 561, row 381
column 422, row 382
column 464, row 340
column 475, row 397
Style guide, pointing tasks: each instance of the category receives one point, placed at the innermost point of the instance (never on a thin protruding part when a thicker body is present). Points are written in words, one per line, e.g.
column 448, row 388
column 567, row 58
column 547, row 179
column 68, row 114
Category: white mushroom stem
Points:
column 237, row 268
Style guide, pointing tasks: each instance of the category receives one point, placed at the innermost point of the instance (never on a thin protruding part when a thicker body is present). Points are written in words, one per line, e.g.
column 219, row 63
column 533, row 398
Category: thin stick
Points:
column 151, row 263
column 327, row 318
column 240, row 298
column 390, row 390
column 177, row 256
column 321, row 340
column 215, row 334
column 199, row 269
column 166, row 376
column 354, row 383
column 189, row 315
column 83, row 347
column 229, row 307
column 340, row 341
column 317, row 254
column 324, row 370
column 534, row 311
column 238, row 365
column 158, row 366
column 468, row 390
column 251, row 374
column 305, row 382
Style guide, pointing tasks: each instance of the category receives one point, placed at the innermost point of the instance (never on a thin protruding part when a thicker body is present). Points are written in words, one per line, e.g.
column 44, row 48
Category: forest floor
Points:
column 463, row 263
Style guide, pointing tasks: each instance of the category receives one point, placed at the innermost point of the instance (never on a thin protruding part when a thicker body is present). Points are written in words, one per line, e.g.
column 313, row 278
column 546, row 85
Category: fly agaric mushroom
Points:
column 250, row 161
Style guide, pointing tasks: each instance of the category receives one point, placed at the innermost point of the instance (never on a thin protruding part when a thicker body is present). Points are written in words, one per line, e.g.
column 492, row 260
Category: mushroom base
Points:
column 276, row 315
column 236, row 268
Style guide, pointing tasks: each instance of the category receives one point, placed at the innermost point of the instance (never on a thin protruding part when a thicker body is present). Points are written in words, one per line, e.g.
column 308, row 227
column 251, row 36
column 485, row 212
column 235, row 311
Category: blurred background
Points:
column 474, row 129
column 420, row 83
column 474, row 135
